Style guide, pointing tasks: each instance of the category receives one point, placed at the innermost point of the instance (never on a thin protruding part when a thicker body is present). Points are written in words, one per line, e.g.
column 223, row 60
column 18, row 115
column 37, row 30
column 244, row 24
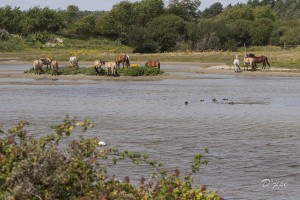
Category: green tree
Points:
column 240, row 31
column 186, row 9
column 239, row 11
column 261, row 31
column 140, row 39
column 11, row 19
column 214, row 10
column 166, row 30
column 146, row 10
column 86, row 25
column 264, row 12
column 42, row 19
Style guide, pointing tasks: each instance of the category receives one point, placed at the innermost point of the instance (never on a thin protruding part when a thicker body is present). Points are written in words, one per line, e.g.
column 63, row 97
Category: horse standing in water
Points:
column 124, row 59
column 259, row 59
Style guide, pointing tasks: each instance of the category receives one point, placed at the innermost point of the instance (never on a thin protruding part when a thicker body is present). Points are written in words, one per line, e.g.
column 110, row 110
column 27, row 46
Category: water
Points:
column 251, row 137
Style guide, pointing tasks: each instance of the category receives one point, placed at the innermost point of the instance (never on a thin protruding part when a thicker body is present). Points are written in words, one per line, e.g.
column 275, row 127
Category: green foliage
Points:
column 55, row 167
column 167, row 30
column 213, row 11
column 148, row 26
column 140, row 71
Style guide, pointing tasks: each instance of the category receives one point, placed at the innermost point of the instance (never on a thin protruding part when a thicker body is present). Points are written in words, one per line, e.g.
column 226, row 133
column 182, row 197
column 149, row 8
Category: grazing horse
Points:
column 74, row 62
column 54, row 65
column 249, row 61
column 152, row 63
column 236, row 64
column 110, row 67
column 97, row 66
column 259, row 59
column 46, row 61
column 124, row 59
column 37, row 66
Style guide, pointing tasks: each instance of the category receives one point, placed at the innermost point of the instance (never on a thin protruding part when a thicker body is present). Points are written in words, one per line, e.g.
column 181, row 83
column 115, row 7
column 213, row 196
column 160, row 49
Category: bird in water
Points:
column 186, row 103
column 101, row 143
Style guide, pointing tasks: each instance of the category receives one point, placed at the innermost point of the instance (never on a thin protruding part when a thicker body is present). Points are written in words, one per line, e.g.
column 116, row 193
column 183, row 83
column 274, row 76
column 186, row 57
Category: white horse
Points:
column 74, row 61
column 37, row 66
column 236, row 64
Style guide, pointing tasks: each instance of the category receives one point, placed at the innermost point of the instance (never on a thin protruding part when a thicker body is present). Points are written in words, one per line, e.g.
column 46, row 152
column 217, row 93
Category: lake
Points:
column 249, row 124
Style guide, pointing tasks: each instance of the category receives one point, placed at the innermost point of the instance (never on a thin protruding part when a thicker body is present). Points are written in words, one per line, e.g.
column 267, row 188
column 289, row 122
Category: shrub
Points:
column 140, row 71
column 43, row 168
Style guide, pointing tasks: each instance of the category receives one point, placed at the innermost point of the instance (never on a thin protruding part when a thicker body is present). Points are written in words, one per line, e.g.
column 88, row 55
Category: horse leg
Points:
column 268, row 63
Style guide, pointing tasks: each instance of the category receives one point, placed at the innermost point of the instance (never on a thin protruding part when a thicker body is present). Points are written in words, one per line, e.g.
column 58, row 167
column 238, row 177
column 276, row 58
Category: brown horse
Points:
column 259, row 59
column 124, row 59
column 152, row 63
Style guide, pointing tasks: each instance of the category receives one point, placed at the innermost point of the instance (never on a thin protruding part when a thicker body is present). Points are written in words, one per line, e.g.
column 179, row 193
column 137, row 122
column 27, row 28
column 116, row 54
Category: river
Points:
column 249, row 124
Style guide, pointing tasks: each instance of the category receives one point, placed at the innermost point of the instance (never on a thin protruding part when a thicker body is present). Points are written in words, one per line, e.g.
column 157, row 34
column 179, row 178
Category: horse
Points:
column 54, row 65
column 124, row 59
column 37, row 66
column 249, row 61
column 259, row 59
column 97, row 66
column 46, row 61
column 152, row 63
column 236, row 64
column 74, row 61
column 110, row 67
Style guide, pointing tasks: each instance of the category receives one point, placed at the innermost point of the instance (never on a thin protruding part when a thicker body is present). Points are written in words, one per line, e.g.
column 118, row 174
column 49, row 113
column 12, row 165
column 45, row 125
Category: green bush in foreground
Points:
column 44, row 168
column 90, row 71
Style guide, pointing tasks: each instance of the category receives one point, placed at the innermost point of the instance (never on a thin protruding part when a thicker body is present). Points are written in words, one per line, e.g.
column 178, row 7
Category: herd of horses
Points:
column 251, row 60
column 109, row 66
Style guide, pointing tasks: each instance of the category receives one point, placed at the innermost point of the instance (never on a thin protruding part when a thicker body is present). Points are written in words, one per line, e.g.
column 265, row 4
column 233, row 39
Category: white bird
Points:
column 101, row 143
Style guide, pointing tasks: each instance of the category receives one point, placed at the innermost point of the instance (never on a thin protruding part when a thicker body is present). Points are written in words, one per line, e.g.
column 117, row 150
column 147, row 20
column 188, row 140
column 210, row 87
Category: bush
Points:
column 139, row 71
column 42, row 168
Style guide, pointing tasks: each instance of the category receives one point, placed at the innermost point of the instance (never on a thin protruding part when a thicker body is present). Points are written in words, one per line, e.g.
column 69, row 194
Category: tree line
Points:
column 151, row 26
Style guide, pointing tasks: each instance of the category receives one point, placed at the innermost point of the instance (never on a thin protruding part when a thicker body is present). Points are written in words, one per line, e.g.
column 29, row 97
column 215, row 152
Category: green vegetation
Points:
column 149, row 26
column 54, row 166
column 90, row 71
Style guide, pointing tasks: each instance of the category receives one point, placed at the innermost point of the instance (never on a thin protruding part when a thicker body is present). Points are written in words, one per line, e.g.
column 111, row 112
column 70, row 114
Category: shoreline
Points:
column 193, row 68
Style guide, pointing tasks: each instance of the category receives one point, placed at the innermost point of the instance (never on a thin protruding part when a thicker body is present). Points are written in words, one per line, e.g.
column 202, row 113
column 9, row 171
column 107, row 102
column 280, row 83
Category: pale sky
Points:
column 92, row 5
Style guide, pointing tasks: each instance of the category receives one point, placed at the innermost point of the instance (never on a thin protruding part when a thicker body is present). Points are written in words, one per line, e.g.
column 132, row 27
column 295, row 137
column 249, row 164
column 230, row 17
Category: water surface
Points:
column 251, row 129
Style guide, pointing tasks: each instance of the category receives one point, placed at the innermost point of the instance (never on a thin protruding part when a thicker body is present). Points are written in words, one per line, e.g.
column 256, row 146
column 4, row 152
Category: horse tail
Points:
column 127, row 60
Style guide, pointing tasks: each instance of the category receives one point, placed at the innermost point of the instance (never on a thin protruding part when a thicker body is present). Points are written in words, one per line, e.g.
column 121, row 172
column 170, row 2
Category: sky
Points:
column 93, row 5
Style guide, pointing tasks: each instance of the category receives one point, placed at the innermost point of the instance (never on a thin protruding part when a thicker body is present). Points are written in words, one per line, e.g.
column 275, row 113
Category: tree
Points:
column 118, row 21
column 240, row 31
column 239, row 11
column 146, row 10
column 86, row 25
column 261, row 31
column 11, row 19
column 39, row 20
column 166, row 30
column 186, row 9
column 214, row 10
column 264, row 12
